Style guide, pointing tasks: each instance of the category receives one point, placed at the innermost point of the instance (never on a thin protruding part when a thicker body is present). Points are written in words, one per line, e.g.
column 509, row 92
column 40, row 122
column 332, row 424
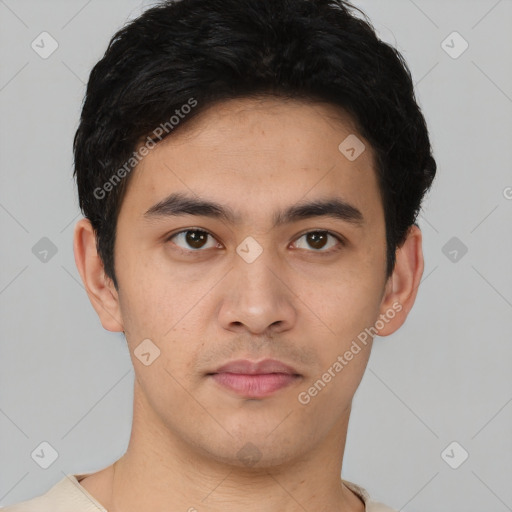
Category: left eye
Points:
column 319, row 240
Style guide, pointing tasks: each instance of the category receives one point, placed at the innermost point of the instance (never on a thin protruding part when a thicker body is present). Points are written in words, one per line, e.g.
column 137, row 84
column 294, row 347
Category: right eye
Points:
column 192, row 240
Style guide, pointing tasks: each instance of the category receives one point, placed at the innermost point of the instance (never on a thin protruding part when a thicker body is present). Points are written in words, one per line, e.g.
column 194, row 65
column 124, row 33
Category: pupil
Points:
column 196, row 239
column 317, row 240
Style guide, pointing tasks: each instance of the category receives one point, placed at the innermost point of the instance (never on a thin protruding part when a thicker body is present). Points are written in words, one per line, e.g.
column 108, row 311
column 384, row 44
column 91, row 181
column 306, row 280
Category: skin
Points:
column 205, row 308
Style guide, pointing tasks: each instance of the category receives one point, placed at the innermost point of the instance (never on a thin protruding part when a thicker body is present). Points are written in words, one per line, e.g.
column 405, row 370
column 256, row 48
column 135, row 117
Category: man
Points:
column 250, row 173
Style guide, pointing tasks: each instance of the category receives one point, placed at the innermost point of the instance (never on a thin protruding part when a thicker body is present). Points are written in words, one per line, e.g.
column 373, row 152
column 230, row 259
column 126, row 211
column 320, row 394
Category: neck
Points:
column 159, row 470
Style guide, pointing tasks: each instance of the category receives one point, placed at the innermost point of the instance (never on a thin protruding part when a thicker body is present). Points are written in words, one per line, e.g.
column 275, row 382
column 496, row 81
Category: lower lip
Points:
column 254, row 386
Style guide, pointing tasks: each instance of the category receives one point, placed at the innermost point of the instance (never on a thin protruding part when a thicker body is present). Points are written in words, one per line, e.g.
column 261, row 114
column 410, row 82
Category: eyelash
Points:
column 341, row 241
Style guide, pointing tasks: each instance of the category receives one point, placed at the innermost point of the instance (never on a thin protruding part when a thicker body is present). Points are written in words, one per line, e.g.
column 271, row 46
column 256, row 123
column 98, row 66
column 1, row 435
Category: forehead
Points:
column 265, row 115
column 256, row 152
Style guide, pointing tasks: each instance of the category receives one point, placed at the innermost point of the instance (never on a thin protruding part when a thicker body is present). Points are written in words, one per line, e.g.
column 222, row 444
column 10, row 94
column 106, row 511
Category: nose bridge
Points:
column 256, row 270
column 259, row 276
column 258, row 297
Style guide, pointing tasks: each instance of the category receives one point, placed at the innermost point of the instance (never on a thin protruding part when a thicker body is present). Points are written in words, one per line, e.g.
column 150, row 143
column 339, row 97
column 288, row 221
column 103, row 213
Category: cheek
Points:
column 146, row 289
column 346, row 303
column 145, row 309
column 346, row 307
column 156, row 309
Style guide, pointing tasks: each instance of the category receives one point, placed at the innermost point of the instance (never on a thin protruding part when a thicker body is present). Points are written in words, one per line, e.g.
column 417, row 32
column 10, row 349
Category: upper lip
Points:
column 245, row 366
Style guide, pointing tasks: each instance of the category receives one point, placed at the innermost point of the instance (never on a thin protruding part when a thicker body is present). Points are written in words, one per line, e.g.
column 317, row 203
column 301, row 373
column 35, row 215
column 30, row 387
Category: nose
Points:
column 257, row 297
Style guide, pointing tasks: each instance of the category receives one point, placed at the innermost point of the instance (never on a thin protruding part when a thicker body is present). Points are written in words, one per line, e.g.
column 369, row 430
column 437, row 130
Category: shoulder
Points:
column 375, row 506
column 370, row 505
column 64, row 496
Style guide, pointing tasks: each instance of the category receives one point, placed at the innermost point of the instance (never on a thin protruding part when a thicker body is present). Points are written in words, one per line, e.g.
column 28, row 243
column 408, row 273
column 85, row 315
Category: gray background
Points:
column 444, row 377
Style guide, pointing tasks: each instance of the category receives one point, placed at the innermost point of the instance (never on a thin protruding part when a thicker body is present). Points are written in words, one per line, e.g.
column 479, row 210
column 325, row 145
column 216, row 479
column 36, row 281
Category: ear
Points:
column 402, row 285
column 100, row 289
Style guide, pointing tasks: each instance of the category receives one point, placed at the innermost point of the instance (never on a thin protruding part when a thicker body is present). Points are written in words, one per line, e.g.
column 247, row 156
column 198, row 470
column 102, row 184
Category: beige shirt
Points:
column 69, row 496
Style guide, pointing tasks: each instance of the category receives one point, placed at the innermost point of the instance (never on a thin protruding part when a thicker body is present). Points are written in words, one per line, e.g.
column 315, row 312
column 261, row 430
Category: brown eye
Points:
column 319, row 240
column 316, row 240
column 193, row 239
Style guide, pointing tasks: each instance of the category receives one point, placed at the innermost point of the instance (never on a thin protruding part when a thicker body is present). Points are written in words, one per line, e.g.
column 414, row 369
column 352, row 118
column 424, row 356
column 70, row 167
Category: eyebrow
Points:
column 177, row 204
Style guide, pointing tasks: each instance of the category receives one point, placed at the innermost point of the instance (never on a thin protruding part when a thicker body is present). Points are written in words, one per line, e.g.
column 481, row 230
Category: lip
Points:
column 255, row 379
column 247, row 367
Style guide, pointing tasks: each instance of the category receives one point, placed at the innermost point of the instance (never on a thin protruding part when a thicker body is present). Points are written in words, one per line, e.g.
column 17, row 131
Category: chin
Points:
column 255, row 450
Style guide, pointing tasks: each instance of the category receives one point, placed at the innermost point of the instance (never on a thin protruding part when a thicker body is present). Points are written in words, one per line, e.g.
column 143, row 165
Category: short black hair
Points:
column 181, row 57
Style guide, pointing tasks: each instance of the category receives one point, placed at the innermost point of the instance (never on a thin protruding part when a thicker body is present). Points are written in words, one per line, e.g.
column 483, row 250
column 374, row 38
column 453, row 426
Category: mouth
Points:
column 251, row 379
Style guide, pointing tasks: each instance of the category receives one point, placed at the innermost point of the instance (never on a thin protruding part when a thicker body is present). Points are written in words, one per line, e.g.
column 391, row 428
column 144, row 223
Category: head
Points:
column 250, row 175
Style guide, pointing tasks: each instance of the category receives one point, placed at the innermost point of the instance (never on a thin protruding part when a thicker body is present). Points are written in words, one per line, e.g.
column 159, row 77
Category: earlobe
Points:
column 402, row 285
column 101, row 291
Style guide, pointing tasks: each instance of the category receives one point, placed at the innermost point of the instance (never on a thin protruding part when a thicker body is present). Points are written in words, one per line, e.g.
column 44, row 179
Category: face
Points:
column 257, row 276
